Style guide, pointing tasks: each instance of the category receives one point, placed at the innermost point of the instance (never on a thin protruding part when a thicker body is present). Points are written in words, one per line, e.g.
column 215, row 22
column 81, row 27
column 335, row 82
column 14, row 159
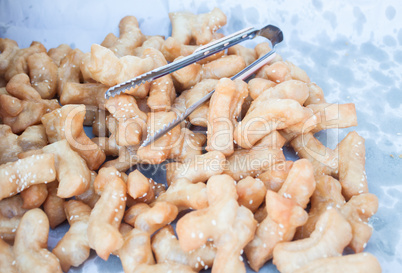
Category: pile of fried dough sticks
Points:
column 238, row 200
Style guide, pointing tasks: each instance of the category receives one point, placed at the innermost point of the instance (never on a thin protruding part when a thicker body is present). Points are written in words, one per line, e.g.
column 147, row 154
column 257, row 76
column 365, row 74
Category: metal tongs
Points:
column 272, row 33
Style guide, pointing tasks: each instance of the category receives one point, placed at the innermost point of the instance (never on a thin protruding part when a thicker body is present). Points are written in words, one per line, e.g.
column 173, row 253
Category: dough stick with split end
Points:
column 162, row 92
column 274, row 177
column 105, row 67
column 231, row 227
column 159, row 151
column 73, row 248
column 34, row 196
column 324, row 160
column 352, row 160
column 199, row 169
column 136, row 251
column 67, row 123
column 11, row 212
column 267, row 152
column 43, row 74
column 23, row 173
column 106, row 174
column 224, row 108
column 69, row 69
column 72, row 171
column 188, row 27
column 190, row 145
column 143, row 189
column 130, row 37
column 251, row 192
column 7, row 258
column 131, row 120
column 224, row 67
column 283, row 71
column 30, row 247
column 166, row 247
column 155, row 42
column 8, row 49
column 186, row 195
column 84, row 93
column 285, row 212
column 23, row 106
column 18, row 64
column 248, row 54
column 58, row 53
column 103, row 227
column 275, row 114
column 54, row 206
column 331, row 235
column 257, row 85
column 89, row 197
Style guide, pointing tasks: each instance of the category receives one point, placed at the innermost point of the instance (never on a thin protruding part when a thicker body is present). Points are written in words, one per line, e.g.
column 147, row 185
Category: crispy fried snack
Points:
column 72, row 171
column 352, row 158
column 188, row 27
column 166, row 247
column 262, row 49
column 190, row 146
column 224, row 67
column 172, row 49
column 58, row 53
column 73, row 248
column 275, row 175
column 248, row 54
column 324, row 160
column 8, row 49
column 131, row 120
column 285, row 212
column 18, row 63
column 23, row 173
column 198, row 169
column 155, row 42
column 33, row 138
column 251, row 192
column 11, row 212
column 34, row 196
column 106, row 174
column 334, row 115
column 188, row 97
column 30, row 247
column 104, row 221
column 105, row 67
column 231, row 227
column 130, row 37
column 326, row 194
column 143, row 189
column 357, row 211
column 331, row 235
column 224, row 108
column 43, row 74
column 67, row 123
column 254, row 161
column 23, row 106
column 136, row 251
column 261, row 120
column 54, row 206
column 69, row 69
column 281, row 71
column 84, row 93
column 316, row 95
column 7, row 258
column 9, row 148
column 89, row 197
column 162, row 92
column 159, row 151
column 186, row 195
column 257, row 86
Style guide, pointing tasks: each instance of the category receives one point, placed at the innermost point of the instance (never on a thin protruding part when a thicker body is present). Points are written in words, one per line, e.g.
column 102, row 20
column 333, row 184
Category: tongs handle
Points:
column 199, row 54
column 244, row 74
